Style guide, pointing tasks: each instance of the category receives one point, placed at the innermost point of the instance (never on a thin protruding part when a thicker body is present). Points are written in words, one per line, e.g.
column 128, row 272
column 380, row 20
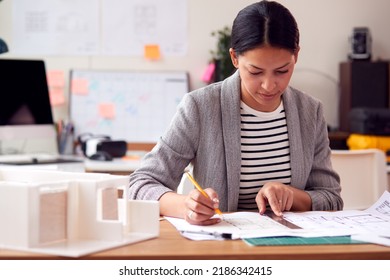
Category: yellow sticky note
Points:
column 55, row 78
column 107, row 110
column 80, row 86
column 56, row 96
column 152, row 52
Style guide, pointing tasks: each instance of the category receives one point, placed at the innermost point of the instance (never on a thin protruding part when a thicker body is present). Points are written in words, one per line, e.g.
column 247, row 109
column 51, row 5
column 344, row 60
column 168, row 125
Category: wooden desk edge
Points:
column 170, row 245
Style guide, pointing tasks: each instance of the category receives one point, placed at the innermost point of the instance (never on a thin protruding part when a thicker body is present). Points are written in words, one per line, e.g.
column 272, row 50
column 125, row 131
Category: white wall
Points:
column 325, row 26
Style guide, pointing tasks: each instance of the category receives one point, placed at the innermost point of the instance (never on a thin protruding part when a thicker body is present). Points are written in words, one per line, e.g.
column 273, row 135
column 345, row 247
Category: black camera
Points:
column 101, row 147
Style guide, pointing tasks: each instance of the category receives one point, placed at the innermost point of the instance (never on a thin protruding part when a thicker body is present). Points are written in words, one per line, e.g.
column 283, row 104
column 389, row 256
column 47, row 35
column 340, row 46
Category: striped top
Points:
column 265, row 153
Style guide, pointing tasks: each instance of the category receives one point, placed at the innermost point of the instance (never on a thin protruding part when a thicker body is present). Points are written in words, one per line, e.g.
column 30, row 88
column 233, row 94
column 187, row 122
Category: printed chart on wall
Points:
column 130, row 106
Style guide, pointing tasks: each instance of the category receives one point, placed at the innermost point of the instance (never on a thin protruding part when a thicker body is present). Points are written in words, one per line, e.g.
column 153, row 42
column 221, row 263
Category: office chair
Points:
column 363, row 176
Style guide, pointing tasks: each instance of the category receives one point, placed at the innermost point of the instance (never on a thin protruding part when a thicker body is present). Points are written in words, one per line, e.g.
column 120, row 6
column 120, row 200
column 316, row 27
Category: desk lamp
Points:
column 3, row 46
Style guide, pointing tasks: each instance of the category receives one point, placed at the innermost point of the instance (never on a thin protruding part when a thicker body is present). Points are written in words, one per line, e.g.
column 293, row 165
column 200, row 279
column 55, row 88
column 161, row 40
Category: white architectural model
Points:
column 70, row 214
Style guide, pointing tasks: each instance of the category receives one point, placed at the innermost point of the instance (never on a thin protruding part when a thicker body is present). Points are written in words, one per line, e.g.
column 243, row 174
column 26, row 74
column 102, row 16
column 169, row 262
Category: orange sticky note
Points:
column 56, row 96
column 107, row 110
column 152, row 52
column 55, row 78
column 80, row 86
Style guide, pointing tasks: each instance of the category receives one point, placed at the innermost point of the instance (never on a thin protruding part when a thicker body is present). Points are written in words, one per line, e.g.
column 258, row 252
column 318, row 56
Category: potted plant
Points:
column 221, row 57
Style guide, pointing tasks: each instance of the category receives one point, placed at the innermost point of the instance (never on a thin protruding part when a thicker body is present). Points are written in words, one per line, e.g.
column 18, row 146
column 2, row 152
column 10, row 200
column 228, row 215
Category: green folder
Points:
column 292, row 240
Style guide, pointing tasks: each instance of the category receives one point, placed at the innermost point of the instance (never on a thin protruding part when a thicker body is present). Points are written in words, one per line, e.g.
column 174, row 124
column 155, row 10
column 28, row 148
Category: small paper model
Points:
column 71, row 214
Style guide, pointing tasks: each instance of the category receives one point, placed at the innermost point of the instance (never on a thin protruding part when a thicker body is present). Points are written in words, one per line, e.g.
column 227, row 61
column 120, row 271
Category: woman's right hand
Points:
column 199, row 209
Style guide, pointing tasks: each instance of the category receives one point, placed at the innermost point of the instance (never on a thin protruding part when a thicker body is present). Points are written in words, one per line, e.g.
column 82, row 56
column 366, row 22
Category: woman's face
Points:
column 265, row 74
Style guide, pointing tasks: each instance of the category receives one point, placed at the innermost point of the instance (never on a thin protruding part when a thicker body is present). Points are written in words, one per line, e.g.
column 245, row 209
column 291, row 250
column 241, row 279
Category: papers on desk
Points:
column 237, row 224
column 371, row 225
column 243, row 225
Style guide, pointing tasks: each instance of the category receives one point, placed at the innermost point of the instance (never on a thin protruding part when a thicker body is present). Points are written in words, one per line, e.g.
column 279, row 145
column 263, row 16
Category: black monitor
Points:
column 24, row 93
column 26, row 121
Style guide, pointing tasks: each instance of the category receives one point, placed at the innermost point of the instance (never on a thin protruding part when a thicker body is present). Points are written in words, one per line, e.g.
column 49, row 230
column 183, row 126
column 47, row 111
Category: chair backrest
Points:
column 363, row 175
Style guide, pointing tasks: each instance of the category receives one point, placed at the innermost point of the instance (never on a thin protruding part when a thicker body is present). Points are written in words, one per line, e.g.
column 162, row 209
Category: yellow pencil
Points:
column 199, row 188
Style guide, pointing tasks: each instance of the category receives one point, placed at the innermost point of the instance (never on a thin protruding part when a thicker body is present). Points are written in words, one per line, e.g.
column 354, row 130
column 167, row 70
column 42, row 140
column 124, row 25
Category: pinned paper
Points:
column 80, row 87
column 209, row 73
column 107, row 110
column 56, row 78
column 56, row 96
column 56, row 84
column 152, row 52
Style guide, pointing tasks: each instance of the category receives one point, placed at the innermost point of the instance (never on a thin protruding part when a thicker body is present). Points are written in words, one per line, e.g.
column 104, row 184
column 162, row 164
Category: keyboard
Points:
column 24, row 159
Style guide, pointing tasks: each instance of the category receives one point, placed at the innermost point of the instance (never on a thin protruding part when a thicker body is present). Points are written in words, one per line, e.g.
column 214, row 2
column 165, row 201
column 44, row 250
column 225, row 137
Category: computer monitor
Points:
column 26, row 121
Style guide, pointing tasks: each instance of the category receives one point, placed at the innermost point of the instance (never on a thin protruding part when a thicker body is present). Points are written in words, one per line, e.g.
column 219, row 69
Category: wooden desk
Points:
column 171, row 245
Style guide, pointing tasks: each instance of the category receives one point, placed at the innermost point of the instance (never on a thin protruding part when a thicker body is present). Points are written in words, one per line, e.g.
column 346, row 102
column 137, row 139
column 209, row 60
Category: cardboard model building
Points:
column 71, row 214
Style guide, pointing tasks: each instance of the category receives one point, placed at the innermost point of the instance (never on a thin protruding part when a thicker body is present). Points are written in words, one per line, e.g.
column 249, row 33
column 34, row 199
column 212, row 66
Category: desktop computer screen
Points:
column 24, row 93
column 26, row 121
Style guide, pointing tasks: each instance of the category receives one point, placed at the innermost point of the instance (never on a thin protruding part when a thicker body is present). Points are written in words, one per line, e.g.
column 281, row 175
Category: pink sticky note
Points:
column 208, row 74
column 56, row 96
column 80, row 86
column 107, row 110
column 55, row 78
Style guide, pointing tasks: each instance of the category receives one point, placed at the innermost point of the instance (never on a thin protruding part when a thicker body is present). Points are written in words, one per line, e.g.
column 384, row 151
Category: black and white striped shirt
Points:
column 265, row 152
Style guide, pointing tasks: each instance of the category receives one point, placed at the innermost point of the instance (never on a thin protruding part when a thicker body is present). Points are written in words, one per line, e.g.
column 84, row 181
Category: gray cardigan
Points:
column 206, row 132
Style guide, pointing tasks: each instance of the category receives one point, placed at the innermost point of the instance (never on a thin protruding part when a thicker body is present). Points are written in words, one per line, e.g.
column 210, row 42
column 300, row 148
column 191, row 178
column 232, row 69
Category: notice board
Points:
column 125, row 105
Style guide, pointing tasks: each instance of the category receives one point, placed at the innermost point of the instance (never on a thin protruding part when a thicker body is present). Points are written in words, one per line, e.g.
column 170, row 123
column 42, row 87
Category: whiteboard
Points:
column 130, row 106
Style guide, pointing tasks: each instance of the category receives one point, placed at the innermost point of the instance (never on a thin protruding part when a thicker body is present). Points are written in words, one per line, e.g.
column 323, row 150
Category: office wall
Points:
column 325, row 27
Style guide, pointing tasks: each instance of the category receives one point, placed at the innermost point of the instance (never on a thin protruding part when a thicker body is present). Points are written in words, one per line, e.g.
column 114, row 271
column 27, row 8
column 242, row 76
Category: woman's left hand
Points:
column 278, row 196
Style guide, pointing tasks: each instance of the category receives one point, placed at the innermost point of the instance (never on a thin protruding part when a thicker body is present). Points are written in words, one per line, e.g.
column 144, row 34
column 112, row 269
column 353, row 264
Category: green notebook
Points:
column 292, row 240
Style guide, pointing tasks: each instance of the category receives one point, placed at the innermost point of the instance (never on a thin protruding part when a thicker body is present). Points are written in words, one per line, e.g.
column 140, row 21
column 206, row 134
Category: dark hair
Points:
column 264, row 23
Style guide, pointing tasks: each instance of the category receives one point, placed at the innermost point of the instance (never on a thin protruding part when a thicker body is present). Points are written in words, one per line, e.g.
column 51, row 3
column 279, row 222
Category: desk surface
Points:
column 171, row 245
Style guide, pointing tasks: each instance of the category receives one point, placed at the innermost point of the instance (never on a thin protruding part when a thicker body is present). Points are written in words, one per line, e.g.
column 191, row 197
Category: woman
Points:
column 253, row 141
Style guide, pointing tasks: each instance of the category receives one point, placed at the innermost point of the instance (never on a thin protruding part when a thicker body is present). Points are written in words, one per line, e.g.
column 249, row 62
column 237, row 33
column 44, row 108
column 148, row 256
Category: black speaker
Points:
column 360, row 44
column 362, row 84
